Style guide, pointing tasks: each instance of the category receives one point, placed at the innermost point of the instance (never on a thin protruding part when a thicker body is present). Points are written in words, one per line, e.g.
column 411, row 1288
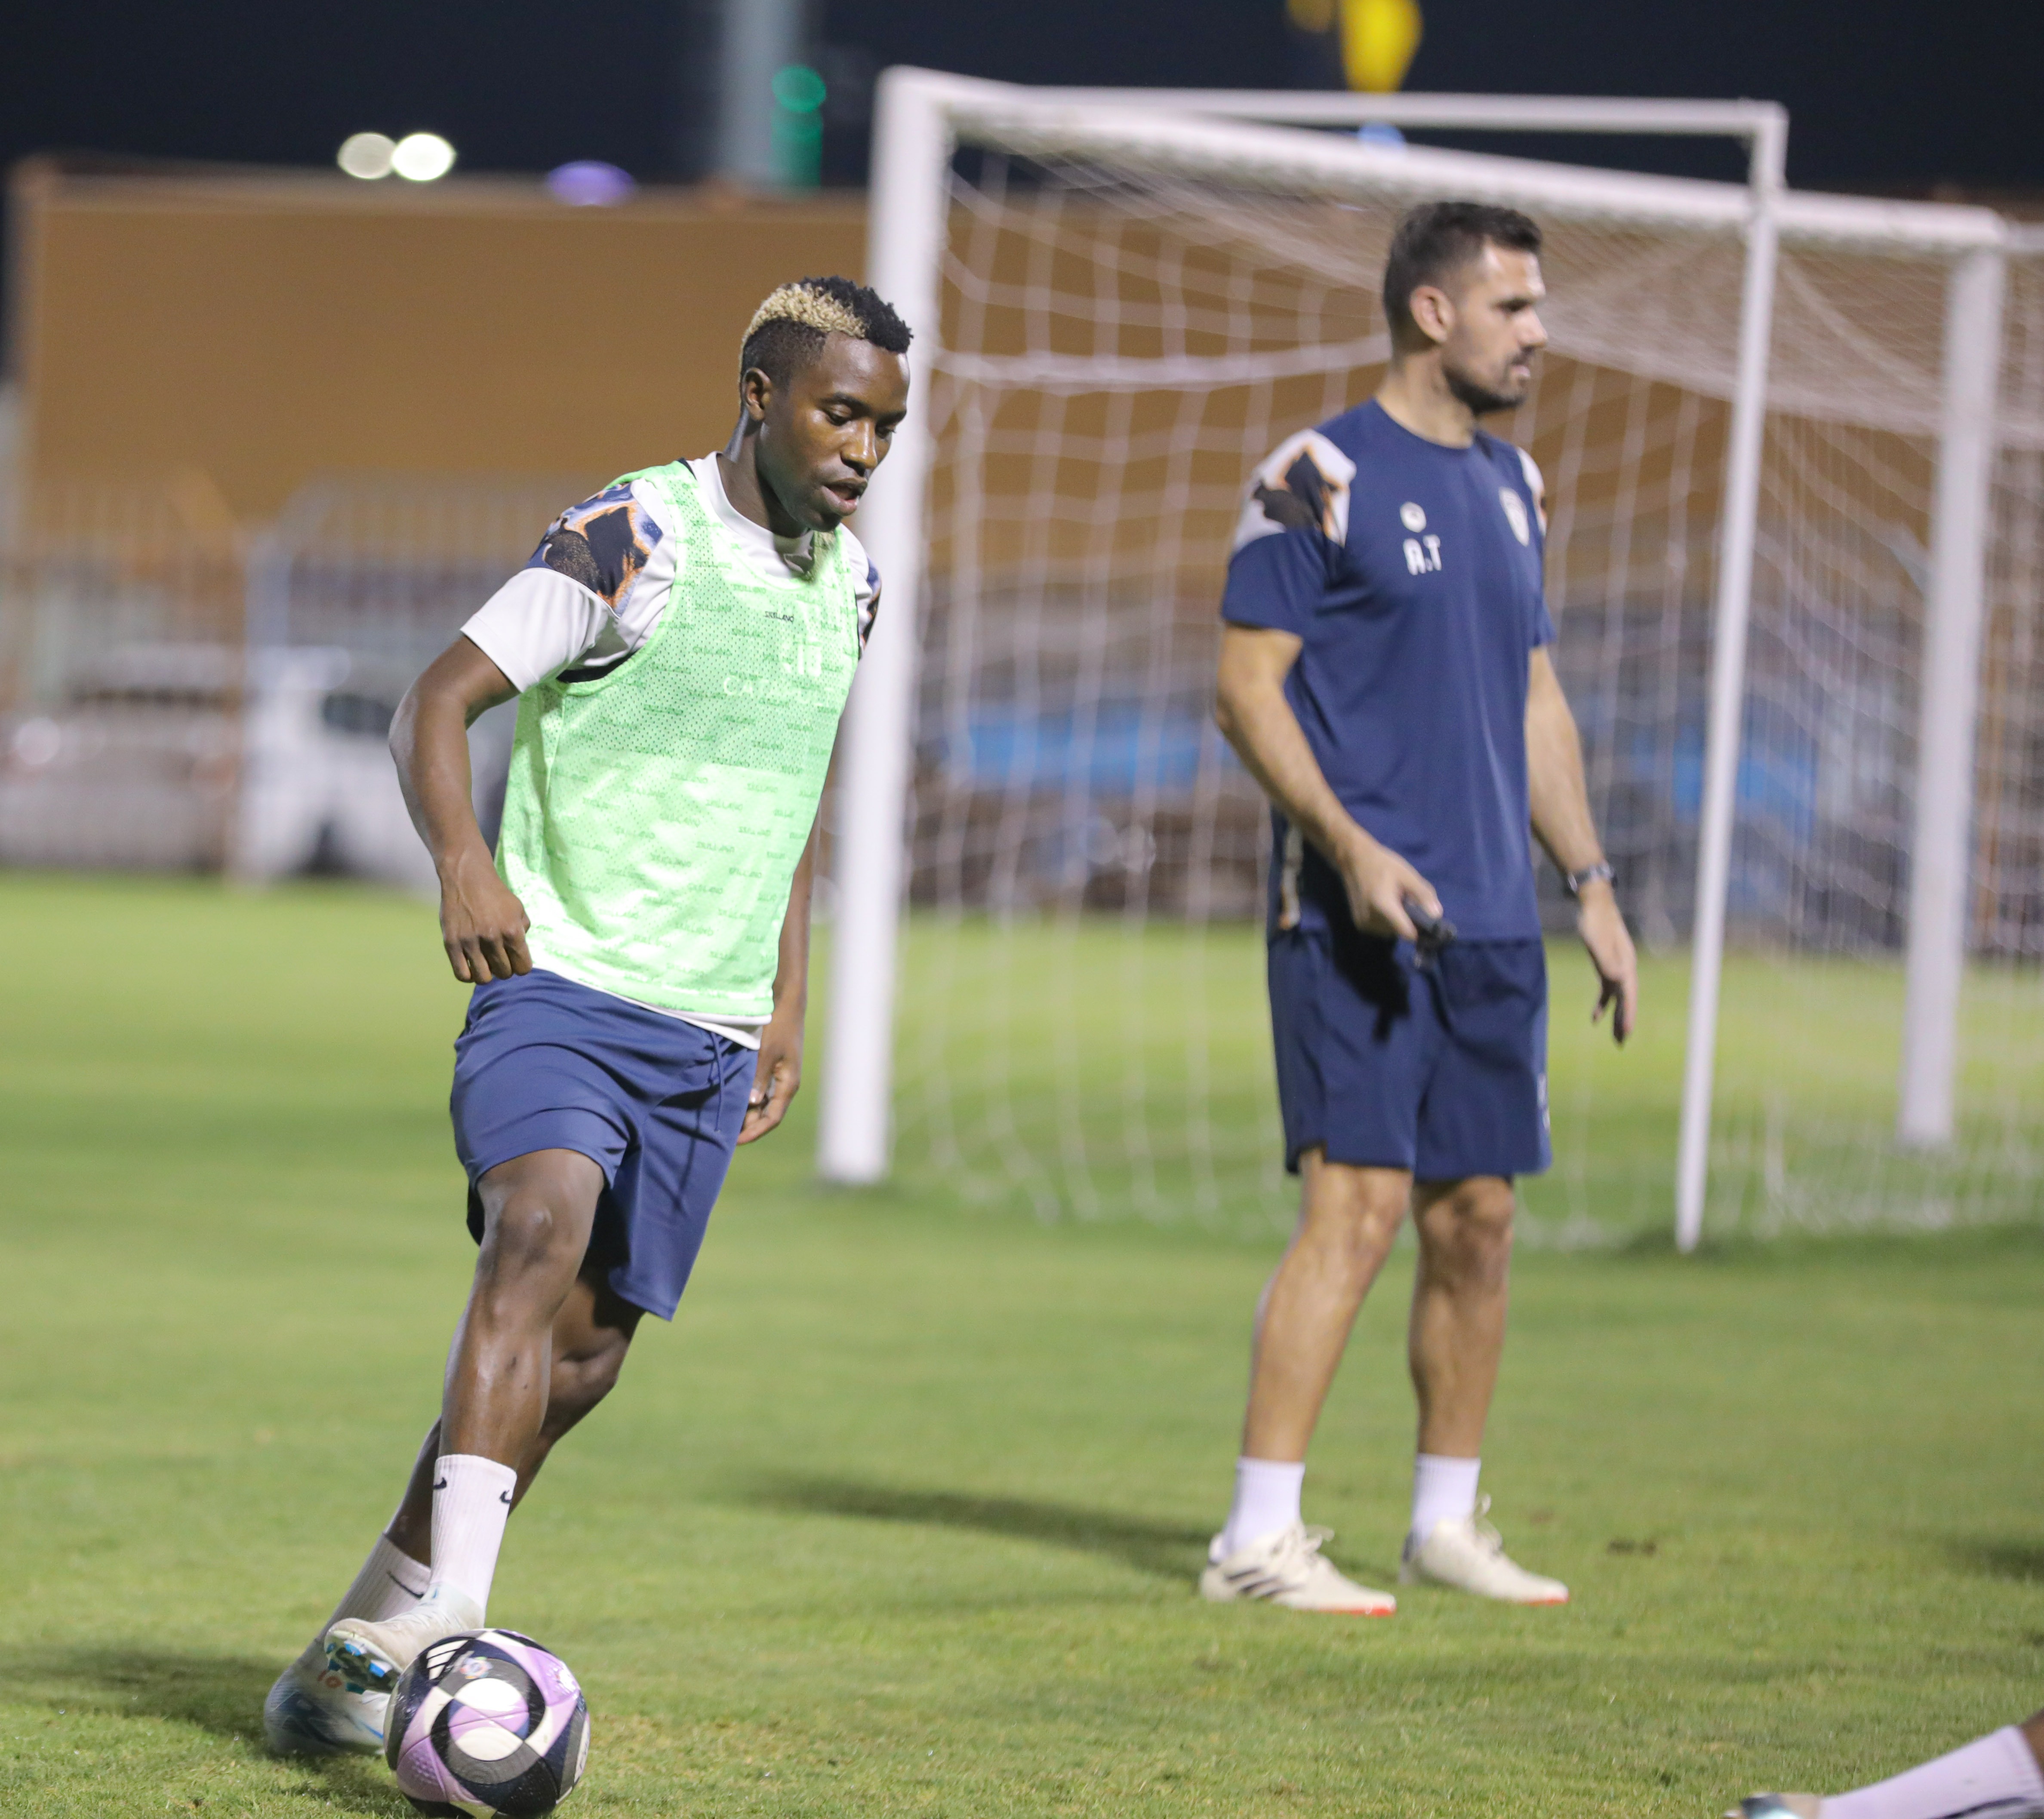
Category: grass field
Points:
column 902, row 1515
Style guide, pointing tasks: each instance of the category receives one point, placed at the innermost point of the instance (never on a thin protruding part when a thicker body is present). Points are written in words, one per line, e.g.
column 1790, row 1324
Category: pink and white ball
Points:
column 487, row 1724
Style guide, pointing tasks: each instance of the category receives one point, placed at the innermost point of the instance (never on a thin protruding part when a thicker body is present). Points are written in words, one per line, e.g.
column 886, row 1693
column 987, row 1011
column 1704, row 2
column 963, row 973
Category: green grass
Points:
column 1079, row 1069
column 902, row 1515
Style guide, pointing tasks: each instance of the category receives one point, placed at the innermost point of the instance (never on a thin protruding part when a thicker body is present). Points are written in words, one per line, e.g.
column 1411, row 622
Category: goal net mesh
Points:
column 1083, row 1023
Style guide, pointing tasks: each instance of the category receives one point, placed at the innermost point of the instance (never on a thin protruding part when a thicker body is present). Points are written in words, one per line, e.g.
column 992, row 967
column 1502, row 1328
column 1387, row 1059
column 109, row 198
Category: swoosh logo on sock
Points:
column 504, row 1495
column 439, row 1483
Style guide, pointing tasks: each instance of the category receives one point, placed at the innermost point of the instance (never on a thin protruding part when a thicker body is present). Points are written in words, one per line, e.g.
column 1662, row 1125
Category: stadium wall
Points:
column 261, row 329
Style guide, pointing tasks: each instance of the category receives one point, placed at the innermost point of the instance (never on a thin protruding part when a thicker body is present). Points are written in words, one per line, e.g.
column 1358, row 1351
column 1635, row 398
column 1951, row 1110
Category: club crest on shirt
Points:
column 1514, row 514
column 1304, row 485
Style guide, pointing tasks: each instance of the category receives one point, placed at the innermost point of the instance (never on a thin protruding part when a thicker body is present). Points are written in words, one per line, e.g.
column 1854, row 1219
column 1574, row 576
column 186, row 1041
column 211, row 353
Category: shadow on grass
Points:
column 2019, row 1560
column 221, row 1694
column 1169, row 1550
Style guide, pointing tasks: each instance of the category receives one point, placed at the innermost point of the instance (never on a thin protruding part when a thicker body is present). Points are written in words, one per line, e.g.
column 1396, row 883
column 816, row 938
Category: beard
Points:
column 1481, row 399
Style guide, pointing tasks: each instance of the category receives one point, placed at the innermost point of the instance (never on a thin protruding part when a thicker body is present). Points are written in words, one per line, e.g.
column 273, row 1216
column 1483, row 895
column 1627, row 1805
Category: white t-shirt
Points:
column 595, row 589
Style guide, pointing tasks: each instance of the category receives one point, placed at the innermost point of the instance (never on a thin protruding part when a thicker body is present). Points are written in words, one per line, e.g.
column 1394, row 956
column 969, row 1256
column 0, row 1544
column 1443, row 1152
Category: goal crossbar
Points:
column 1260, row 141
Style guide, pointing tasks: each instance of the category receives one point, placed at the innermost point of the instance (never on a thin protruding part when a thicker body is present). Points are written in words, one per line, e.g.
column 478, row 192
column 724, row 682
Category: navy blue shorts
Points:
column 656, row 1103
column 1443, row 1072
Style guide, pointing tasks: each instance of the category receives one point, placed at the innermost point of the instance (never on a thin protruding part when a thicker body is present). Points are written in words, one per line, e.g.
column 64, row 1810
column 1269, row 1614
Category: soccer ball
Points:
column 487, row 1723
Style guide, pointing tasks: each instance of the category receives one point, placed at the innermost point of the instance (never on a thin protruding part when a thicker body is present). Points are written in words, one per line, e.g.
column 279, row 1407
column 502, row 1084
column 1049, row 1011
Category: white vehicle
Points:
column 319, row 793
column 203, row 757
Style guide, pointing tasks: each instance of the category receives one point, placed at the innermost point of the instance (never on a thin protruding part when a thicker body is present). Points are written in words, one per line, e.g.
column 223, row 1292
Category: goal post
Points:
column 931, row 236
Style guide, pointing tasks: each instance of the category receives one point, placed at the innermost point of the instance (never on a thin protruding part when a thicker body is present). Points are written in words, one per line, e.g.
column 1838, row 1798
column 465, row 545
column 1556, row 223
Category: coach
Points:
column 1384, row 674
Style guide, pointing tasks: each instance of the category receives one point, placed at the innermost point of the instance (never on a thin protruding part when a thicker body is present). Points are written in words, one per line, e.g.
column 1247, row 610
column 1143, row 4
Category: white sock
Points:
column 471, row 1503
column 389, row 1583
column 1443, row 1490
column 1994, row 1777
column 1266, row 1499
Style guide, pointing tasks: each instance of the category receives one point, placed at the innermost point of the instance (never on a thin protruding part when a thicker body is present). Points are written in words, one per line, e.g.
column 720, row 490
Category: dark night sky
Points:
column 1884, row 93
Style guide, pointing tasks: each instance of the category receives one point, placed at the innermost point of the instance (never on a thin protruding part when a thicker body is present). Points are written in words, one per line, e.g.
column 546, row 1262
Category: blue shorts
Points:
column 656, row 1103
column 1443, row 1072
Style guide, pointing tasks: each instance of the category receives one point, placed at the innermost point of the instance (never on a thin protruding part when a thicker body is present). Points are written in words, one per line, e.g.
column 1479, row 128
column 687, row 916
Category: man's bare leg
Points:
column 591, row 1335
column 1454, row 1342
column 1348, row 1217
column 1999, row 1776
column 1456, row 1334
column 538, row 1212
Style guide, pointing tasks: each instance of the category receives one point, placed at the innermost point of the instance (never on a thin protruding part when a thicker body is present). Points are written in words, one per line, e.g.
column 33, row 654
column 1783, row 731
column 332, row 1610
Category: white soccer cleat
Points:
column 369, row 1657
column 1777, row 1806
column 1468, row 1554
column 313, row 1711
column 1289, row 1568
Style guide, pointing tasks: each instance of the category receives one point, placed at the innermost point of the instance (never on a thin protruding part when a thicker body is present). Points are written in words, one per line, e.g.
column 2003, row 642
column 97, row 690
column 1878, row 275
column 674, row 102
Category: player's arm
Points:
column 1563, row 825
column 779, row 1072
column 1253, row 714
column 482, row 925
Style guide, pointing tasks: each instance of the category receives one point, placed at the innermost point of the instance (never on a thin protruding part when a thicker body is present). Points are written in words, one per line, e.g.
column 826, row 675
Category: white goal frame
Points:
column 1254, row 138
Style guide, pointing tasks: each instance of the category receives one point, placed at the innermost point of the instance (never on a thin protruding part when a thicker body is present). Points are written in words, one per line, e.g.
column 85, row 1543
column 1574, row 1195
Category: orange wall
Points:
column 259, row 329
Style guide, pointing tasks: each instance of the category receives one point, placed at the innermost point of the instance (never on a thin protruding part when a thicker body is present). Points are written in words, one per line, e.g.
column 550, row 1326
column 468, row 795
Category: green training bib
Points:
column 655, row 814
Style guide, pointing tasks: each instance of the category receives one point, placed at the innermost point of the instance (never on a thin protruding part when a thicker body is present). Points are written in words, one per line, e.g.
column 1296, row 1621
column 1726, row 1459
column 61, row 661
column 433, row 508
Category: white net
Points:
column 1082, row 1020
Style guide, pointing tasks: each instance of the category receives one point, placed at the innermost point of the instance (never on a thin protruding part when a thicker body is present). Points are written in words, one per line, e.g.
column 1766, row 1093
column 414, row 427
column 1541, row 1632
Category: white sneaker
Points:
column 1289, row 1568
column 1467, row 1553
column 369, row 1657
column 312, row 1711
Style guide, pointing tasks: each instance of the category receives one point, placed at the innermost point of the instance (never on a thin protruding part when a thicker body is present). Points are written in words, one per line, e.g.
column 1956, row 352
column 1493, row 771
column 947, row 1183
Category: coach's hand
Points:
column 776, row 1079
column 1610, row 944
column 1378, row 882
column 482, row 924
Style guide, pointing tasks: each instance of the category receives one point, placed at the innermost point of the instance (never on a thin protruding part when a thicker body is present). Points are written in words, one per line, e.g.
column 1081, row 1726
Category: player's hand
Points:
column 776, row 1078
column 1378, row 882
column 1610, row 945
column 482, row 924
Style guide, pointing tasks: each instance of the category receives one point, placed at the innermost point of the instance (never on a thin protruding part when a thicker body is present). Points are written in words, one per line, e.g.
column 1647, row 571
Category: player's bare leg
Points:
column 591, row 1335
column 538, row 1212
column 1348, row 1219
column 1999, row 1776
column 311, row 1710
column 1453, row 1341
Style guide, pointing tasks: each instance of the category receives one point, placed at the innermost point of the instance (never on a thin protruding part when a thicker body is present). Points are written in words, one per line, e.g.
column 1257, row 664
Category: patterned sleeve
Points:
column 1294, row 523
column 580, row 599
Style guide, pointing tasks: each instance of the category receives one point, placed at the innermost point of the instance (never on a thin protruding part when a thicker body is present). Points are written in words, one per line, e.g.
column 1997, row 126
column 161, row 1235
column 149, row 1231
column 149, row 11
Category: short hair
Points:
column 1437, row 239
column 788, row 331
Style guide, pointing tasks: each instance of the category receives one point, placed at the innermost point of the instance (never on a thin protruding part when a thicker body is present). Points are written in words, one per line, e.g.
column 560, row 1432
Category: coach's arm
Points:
column 482, row 925
column 1253, row 714
column 1563, row 825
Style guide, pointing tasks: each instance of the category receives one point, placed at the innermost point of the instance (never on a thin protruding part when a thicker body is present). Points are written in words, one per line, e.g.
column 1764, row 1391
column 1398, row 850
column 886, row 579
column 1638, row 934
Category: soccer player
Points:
column 681, row 645
column 1999, row 1776
column 1385, row 674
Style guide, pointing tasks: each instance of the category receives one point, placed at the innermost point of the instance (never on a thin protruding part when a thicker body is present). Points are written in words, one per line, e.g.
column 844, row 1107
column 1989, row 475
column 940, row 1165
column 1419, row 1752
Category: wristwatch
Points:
column 1573, row 882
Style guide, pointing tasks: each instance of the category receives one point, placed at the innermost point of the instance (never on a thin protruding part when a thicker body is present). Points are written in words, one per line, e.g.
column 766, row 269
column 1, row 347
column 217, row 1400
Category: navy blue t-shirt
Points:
column 1411, row 573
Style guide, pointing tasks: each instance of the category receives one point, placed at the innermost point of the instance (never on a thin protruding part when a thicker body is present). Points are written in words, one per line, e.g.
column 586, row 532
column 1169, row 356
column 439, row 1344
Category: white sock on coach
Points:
column 1266, row 1499
column 1994, row 1777
column 1443, row 1490
column 471, row 1503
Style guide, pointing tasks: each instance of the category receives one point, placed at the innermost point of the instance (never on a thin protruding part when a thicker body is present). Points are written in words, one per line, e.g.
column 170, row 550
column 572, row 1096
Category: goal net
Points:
column 1122, row 330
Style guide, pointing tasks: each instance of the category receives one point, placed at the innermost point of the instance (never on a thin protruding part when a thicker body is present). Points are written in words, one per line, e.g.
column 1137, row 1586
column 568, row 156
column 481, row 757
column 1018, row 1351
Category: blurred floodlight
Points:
column 422, row 157
column 367, row 155
column 589, row 183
